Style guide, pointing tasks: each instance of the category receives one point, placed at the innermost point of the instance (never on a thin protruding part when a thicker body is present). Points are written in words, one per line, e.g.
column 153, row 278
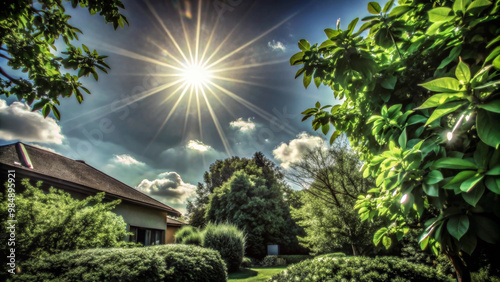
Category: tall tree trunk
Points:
column 354, row 251
column 463, row 274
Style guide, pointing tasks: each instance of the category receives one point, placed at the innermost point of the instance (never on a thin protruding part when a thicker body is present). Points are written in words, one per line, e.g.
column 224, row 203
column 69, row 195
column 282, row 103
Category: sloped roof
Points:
column 59, row 167
column 175, row 222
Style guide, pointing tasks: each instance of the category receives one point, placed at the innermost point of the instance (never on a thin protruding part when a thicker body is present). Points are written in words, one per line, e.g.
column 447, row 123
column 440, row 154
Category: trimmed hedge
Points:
column 272, row 260
column 228, row 240
column 156, row 263
column 291, row 259
column 332, row 255
column 358, row 269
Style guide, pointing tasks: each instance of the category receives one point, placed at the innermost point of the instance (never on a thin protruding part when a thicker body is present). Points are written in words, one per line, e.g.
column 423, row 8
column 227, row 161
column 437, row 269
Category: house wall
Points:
column 170, row 234
column 141, row 216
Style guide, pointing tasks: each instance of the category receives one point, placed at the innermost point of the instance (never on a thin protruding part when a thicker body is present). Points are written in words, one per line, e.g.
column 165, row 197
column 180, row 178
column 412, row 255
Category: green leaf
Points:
column 440, row 14
column 494, row 170
column 414, row 119
column 493, row 183
column 462, row 72
column 493, row 54
column 460, row 5
column 374, row 8
column 334, row 136
column 294, row 60
column 493, row 106
column 454, row 53
column 473, row 196
column 86, row 49
column 388, row 6
column 389, row 82
column 307, row 80
column 325, row 128
column 477, row 6
column 487, row 127
column 487, row 229
column 454, row 163
column 470, row 183
column 386, row 241
column 378, row 235
column 441, row 98
column 443, row 84
column 330, row 33
column 496, row 62
column 317, row 81
column 399, row 10
column 461, row 177
column 56, row 112
column 402, row 139
column 304, row 45
column 431, row 189
column 444, row 110
column 435, row 176
column 46, row 110
column 326, row 44
column 458, row 225
column 351, row 26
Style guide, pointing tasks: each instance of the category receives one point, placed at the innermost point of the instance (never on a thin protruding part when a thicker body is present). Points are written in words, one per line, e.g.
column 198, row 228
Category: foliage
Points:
column 29, row 32
column 189, row 235
column 291, row 259
column 332, row 255
column 484, row 275
column 228, row 240
column 246, row 262
column 263, row 212
column 154, row 263
column 358, row 269
column 420, row 104
column 332, row 183
column 52, row 222
column 272, row 260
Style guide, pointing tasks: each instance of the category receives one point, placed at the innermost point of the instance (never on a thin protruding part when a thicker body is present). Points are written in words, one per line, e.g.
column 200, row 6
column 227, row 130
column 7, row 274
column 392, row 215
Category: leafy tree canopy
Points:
column 420, row 83
column 28, row 32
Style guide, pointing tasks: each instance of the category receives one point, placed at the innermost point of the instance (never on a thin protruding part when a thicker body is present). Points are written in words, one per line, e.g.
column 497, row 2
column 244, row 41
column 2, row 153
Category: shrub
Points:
column 184, row 232
column 332, row 255
column 291, row 259
column 246, row 262
column 228, row 240
column 269, row 261
column 193, row 239
column 358, row 269
column 155, row 263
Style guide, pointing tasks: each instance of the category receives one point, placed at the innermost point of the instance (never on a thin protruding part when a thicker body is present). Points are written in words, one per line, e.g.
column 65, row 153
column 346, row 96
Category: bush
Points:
column 155, row 263
column 291, row 259
column 332, row 255
column 358, row 269
column 246, row 262
column 269, row 261
column 228, row 240
column 184, row 232
column 193, row 239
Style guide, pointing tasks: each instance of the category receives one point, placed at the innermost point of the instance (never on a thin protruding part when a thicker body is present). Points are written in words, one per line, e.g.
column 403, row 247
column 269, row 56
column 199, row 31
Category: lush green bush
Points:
column 332, row 255
column 228, row 240
column 358, row 269
column 269, row 261
column 155, row 263
column 53, row 222
column 246, row 262
column 290, row 259
column 484, row 275
column 195, row 238
column 184, row 232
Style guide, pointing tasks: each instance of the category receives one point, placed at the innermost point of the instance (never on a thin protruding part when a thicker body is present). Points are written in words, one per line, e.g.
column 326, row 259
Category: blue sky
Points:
column 120, row 128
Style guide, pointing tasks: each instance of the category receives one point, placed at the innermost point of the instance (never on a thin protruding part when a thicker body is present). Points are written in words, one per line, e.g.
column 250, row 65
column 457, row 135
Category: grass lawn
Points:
column 255, row 274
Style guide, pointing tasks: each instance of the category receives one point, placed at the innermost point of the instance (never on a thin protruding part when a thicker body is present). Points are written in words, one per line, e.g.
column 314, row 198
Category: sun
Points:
column 195, row 74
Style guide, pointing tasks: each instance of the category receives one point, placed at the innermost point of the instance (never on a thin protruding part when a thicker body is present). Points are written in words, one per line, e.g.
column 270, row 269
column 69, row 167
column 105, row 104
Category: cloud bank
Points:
column 295, row 150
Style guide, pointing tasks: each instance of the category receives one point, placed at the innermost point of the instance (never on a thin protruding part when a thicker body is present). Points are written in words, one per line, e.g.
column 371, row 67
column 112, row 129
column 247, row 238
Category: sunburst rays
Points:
column 194, row 65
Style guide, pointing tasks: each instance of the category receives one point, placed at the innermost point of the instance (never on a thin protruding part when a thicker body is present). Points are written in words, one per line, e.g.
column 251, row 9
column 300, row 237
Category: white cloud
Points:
column 199, row 146
column 276, row 45
column 243, row 125
column 18, row 122
column 168, row 187
column 295, row 150
column 127, row 160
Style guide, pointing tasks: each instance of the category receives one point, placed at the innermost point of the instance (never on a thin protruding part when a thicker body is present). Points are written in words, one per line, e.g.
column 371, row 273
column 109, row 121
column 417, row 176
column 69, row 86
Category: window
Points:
column 146, row 236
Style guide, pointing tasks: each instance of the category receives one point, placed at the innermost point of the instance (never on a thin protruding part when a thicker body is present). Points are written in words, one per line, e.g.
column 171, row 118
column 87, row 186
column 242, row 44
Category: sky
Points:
column 156, row 121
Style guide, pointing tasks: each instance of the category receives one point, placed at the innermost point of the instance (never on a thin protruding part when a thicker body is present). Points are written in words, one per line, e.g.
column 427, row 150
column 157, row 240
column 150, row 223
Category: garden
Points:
column 408, row 190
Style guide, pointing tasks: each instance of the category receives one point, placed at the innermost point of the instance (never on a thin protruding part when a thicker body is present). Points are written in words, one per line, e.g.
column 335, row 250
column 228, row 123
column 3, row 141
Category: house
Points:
column 151, row 221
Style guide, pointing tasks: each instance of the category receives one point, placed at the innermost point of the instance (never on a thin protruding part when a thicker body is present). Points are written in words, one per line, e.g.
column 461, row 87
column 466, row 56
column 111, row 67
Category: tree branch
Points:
column 2, row 72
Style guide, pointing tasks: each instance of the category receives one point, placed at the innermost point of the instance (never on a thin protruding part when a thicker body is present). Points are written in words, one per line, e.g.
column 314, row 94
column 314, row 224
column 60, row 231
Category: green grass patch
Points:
column 255, row 274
